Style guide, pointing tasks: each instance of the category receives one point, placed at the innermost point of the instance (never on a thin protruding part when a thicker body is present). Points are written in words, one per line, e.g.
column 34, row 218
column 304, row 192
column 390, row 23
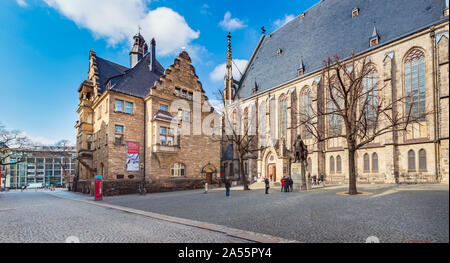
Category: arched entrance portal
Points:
column 271, row 169
column 209, row 171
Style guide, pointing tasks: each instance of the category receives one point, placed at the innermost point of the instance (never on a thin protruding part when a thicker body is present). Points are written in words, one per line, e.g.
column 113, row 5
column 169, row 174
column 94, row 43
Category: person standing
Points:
column 291, row 184
column 267, row 182
column 227, row 185
column 282, row 181
column 286, row 184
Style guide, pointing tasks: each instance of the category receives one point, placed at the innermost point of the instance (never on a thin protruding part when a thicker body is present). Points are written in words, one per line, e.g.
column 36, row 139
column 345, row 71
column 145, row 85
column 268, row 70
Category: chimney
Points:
column 153, row 55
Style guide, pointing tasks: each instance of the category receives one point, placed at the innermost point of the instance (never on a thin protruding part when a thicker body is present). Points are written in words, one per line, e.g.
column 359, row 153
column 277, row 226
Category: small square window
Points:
column 119, row 129
column 163, row 107
column 119, row 105
column 129, row 107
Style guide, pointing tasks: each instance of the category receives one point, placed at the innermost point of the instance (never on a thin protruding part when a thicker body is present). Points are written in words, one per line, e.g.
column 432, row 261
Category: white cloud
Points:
column 118, row 20
column 39, row 140
column 231, row 24
column 220, row 71
column 283, row 21
column 22, row 3
column 169, row 29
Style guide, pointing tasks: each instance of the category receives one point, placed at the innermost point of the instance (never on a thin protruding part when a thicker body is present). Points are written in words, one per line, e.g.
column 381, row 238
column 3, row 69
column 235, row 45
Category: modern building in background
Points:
column 42, row 164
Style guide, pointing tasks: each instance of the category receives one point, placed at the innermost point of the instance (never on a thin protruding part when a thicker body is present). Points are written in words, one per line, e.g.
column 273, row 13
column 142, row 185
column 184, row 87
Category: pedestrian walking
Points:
column 206, row 188
column 322, row 179
column 267, row 182
column 314, row 180
column 282, row 181
column 227, row 185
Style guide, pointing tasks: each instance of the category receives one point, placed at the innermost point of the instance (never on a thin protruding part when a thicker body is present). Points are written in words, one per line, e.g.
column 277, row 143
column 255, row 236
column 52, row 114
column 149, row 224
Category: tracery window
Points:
column 375, row 163
column 415, row 84
column 411, row 161
column 306, row 113
column 422, row 160
column 366, row 163
column 370, row 97
column 334, row 119
column 283, row 117
column 338, row 164
column 332, row 165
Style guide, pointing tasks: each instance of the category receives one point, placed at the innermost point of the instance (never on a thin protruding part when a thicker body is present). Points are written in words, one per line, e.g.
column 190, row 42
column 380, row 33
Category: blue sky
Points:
column 45, row 45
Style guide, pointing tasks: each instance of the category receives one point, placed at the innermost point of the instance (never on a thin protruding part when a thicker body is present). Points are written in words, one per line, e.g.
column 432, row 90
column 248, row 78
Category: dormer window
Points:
column 279, row 52
column 301, row 69
column 374, row 39
column 355, row 12
column 373, row 42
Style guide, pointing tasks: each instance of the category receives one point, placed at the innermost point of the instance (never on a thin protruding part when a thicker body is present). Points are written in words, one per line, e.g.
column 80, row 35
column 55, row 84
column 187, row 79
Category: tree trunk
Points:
column 242, row 174
column 352, row 171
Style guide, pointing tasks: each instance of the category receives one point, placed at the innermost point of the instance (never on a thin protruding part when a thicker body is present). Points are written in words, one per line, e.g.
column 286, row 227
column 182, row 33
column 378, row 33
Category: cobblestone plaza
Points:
column 405, row 213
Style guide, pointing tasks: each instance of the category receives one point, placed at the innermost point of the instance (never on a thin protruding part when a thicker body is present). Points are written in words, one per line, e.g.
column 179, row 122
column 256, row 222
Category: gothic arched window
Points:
column 246, row 131
column 411, row 161
column 415, row 84
column 366, row 163
column 422, row 160
column 375, row 163
column 283, row 117
column 306, row 112
column 338, row 164
column 370, row 96
column 332, row 164
column 334, row 119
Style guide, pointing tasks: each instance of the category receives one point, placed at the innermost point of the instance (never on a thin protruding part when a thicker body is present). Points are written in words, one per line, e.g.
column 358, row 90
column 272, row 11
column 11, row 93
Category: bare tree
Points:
column 241, row 129
column 13, row 146
column 356, row 108
column 62, row 149
column 12, row 140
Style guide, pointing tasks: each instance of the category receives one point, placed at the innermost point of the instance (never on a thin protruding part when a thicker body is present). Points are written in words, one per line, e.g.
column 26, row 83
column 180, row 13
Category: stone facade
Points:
column 389, row 150
column 169, row 158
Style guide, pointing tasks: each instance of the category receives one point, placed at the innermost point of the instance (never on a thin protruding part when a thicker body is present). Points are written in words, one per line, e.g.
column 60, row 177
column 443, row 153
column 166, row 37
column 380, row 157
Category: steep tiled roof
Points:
column 106, row 70
column 138, row 80
column 328, row 28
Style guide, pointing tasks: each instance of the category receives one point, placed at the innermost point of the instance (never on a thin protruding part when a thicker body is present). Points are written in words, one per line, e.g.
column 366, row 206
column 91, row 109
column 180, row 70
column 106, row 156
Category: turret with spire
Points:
column 228, row 92
column 138, row 50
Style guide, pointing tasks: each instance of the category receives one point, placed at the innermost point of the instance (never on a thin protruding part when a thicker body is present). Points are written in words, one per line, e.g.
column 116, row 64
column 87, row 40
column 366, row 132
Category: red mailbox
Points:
column 98, row 188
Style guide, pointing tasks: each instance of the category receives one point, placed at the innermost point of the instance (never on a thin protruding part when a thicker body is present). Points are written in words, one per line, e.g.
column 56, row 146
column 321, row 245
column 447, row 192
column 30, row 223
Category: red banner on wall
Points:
column 133, row 156
column 132, row 147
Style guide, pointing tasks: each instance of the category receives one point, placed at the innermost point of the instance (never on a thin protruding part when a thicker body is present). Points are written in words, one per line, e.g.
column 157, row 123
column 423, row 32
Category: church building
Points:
column 129, row 125
column 407, row 42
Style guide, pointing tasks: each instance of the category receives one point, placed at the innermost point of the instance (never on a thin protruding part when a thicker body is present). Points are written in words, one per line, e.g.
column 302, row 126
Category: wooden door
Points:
column 272, row 172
